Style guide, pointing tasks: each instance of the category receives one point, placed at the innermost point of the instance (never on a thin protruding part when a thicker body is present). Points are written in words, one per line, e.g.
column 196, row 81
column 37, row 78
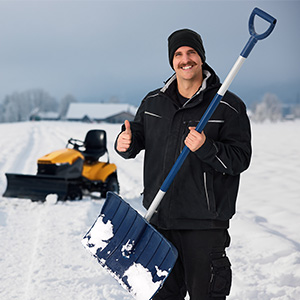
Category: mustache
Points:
column 189, row 63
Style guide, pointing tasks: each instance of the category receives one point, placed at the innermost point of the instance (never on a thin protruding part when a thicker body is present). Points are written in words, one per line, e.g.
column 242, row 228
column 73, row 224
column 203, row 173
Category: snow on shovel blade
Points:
column 130, row 249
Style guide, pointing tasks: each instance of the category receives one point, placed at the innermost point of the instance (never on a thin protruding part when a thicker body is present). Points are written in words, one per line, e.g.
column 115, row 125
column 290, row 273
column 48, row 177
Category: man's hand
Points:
column 194, row 139
column 124, row 139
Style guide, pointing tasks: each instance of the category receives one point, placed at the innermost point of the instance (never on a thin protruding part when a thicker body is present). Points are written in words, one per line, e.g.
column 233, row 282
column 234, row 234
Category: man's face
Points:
column 187, row 63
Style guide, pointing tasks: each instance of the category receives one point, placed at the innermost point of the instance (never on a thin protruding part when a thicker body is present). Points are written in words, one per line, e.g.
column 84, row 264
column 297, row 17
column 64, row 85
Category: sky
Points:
column 98, row 50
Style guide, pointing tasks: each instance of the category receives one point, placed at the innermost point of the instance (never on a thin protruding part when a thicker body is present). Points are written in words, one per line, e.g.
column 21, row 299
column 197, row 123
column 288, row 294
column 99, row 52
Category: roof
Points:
column 98, row 111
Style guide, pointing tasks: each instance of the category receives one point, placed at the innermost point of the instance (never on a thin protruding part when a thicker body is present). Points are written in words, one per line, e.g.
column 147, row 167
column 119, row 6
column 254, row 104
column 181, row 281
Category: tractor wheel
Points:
column 74, row 193
column 112, row 185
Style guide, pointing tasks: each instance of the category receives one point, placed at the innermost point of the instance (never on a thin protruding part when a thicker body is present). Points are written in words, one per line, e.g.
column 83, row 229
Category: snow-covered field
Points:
column 41, row 255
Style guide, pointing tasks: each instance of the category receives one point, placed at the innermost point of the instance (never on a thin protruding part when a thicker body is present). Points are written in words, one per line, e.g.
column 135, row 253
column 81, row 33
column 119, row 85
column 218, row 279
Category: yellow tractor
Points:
column 69, row 173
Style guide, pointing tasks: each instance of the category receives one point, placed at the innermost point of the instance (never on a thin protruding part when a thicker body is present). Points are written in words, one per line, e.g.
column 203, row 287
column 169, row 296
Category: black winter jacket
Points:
column 204, row 192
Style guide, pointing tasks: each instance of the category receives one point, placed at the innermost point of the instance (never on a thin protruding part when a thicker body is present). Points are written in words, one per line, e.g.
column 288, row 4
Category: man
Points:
column 195, row 212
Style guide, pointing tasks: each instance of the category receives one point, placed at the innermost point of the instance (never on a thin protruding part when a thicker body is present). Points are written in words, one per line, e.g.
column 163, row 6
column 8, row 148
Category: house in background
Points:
column 44, row 116
column 100, row 112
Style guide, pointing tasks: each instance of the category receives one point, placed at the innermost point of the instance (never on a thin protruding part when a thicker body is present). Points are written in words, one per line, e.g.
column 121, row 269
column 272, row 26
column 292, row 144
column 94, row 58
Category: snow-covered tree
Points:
column 64, row 104
column 18, row 106
column 296, row 107
column 269, row 109
column 296, row 111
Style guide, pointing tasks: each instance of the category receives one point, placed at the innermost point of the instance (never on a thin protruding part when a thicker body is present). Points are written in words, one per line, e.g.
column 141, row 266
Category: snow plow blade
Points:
column 37, row 187
column 130, row 249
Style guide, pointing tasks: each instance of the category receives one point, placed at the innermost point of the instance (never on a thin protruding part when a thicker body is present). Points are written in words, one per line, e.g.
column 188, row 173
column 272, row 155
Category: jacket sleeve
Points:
column 138, row 139
column 232, row 153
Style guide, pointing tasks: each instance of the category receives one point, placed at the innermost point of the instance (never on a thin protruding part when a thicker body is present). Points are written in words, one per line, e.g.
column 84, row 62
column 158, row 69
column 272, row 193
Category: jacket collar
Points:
column 173, row 78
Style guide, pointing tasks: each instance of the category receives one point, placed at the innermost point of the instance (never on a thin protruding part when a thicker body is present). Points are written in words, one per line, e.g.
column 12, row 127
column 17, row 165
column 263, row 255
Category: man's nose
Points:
column 185, row 58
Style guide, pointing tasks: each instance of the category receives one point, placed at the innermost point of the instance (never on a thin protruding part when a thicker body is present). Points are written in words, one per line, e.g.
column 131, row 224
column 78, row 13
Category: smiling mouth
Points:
column 187, row 67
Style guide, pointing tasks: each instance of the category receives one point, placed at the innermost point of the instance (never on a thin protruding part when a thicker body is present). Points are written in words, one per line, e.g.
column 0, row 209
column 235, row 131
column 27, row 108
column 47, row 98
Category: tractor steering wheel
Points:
column 75, row 143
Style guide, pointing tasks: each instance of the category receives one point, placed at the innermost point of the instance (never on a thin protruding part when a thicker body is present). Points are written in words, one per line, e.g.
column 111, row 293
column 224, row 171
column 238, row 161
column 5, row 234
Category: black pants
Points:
column 202, row 268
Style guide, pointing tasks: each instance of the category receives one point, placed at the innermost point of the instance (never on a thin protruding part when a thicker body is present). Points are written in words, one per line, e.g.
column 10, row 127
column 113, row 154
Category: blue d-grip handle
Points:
column 254, row 35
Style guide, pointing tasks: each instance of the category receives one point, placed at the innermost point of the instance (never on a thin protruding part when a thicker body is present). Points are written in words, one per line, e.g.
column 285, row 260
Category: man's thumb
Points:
column 127, row 126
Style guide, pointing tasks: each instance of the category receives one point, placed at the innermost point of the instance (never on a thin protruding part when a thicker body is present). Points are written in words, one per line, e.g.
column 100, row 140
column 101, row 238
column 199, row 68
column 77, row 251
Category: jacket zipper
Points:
column 206, row 191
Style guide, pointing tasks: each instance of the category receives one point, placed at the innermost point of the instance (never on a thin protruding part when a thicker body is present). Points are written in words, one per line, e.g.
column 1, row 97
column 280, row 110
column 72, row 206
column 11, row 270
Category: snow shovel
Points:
column 124, row 242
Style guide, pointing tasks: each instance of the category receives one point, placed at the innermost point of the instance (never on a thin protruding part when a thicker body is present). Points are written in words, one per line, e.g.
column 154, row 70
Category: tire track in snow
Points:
column 20, row 159
column 10, row 152
column 21, row 219
column 27, row 162
column 37, row 232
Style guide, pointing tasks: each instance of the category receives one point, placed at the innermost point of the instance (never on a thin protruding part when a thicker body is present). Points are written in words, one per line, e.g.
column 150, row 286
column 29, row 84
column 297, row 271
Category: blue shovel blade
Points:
column 130, row 249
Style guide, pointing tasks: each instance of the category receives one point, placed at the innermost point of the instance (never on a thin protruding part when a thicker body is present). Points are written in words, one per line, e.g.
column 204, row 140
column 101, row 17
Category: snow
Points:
column 41, row 254
column 140, row 279
column 127, row 248
column 99, row 235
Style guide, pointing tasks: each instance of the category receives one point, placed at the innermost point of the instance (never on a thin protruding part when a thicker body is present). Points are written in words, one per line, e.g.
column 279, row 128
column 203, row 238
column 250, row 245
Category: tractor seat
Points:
column 95, row 145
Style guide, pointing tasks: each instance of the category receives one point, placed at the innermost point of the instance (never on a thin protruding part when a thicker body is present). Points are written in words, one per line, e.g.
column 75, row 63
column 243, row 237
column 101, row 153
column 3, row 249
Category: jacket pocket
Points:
column 153, row 114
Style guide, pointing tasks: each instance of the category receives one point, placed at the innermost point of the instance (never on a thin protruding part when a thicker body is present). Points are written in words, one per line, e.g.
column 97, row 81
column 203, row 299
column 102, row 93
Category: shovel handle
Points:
column 258, row 12
column 254, row 35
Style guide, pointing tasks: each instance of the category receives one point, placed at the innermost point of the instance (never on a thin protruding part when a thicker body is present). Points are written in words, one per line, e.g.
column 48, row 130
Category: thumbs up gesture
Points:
column 124, row 139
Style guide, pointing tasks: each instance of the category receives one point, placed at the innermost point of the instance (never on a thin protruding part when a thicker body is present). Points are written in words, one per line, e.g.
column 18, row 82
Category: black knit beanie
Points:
column 185, row 37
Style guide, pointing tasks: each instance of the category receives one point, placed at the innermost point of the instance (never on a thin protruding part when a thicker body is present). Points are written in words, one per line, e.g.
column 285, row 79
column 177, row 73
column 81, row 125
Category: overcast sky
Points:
column 95, row 50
